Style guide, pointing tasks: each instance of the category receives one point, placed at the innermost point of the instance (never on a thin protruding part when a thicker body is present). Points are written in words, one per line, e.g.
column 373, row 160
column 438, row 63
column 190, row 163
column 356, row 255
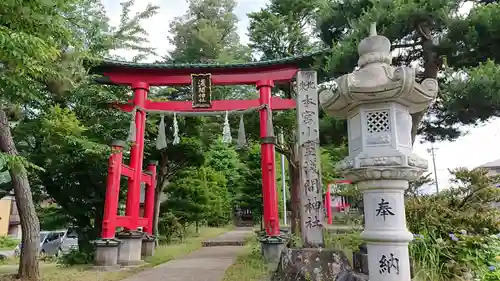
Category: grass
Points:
column 164, row 253
column 8, row 243
column 249, row 265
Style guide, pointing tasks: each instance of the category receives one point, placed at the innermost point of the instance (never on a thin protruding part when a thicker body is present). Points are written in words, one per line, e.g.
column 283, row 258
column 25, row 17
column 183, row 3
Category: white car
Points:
column 56, row 243
column 43, row 237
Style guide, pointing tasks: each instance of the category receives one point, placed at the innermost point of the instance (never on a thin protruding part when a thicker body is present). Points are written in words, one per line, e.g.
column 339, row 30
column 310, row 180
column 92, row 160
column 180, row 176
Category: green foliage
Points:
column 169, row 228
column 224, row 158
column 219, row 212
column 440, row 37
column 198, row 195
column 60, row 124
column 75, row 257
column 250, row 195
column 330, row 156
column 207, row 32
column 459, row 255
column 467, row 206
column 350, row 240
column 188, row 197
column 415, row 187
column 7, row 242
column 453, row 228
column 53, row 217
column 281, row 28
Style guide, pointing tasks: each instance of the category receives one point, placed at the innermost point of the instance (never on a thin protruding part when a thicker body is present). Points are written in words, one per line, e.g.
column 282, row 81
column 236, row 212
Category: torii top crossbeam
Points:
column 172, row 74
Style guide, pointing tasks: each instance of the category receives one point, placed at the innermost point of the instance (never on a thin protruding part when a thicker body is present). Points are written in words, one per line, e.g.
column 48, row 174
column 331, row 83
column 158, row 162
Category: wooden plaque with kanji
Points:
column 201, row 85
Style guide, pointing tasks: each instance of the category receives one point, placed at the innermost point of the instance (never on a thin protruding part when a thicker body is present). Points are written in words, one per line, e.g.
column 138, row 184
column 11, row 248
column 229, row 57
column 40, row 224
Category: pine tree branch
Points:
column 407, row 45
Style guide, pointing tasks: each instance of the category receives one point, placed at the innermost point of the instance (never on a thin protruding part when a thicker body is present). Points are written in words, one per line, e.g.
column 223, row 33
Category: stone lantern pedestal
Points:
column 377, row 101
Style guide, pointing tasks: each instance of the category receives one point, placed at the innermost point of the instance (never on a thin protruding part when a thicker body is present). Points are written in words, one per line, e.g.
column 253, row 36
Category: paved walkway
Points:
column 205, row 264
column 236, row 237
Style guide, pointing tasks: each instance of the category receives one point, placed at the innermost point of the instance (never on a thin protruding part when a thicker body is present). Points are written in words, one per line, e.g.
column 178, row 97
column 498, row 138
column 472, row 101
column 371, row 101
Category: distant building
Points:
column 10, row 223
column 493, row 167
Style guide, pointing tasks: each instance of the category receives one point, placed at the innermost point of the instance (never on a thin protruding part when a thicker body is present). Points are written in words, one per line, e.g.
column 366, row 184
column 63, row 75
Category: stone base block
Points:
column 148, row 246
column 129, row 252
column 271, row 249
column 360, row 261
column 314, row 264
column 106, row 255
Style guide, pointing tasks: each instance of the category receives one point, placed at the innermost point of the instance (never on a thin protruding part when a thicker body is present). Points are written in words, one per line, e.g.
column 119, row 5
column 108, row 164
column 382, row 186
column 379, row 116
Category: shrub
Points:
column 467, row 206
column 439, row 213
column 460, row 255
column 350, row 240
column 445, row 250
column 75, row 257
column 7, row 242
column 169, row 227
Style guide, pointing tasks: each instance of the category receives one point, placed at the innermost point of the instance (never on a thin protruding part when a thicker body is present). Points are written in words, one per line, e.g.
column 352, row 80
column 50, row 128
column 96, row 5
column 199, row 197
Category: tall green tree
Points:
column 250, row 195
column 188, row 197
column 225, row 159
column 206, row 33
column 60, row 124
column 33, row 36
column 173, row 161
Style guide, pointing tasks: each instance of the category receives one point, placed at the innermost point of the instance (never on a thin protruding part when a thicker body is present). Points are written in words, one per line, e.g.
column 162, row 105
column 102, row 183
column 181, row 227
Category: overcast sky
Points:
column 478, row 147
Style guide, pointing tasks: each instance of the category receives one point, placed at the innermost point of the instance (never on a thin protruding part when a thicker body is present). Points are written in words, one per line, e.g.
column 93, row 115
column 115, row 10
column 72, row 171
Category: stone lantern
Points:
column 377, row 101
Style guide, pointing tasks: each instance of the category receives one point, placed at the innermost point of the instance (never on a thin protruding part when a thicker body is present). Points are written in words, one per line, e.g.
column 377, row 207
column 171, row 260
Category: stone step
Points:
column 220, row 243
column 237, row 237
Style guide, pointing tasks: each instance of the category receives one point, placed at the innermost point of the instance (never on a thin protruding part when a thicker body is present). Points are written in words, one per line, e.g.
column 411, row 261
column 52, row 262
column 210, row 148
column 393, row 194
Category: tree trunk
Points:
column 294, row 198
column 161, row 182
column 431, row 69
column 30, row 226
column 156, row 210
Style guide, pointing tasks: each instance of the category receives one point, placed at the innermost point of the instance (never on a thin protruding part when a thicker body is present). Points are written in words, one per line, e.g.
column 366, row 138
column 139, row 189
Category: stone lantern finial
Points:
column 374, row 49
column 373, row 29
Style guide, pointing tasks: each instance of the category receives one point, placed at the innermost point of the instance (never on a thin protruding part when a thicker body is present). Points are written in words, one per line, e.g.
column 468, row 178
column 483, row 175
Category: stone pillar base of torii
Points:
column 130, row 249
column 377, row 101
column 271, row 249
column 148, row 246
column 106, row 255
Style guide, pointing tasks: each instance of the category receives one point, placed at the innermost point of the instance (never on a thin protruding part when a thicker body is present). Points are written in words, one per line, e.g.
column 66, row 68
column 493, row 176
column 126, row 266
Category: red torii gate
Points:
column 140, row 77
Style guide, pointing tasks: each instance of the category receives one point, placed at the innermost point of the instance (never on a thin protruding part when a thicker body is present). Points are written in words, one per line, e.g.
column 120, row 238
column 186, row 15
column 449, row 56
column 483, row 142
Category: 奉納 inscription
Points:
column 384, row 209
column 389, row 264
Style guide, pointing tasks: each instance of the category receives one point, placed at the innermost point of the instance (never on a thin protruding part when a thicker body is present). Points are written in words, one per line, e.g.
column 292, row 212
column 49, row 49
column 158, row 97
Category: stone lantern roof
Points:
column 377, row 81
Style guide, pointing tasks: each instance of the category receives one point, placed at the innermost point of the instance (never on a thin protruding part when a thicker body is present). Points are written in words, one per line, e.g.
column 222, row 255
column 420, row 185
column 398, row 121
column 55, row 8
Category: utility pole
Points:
column 283, row 181
column 432, row 152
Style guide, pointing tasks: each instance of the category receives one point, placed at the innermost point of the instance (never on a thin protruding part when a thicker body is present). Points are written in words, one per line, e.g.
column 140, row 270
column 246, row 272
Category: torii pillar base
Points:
column 148, row 246
column 106, row 256
column 129, row 252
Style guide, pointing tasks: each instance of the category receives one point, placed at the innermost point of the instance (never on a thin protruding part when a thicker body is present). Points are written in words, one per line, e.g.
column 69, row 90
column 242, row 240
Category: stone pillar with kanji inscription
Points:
column 377, row 101
column 311, row 197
